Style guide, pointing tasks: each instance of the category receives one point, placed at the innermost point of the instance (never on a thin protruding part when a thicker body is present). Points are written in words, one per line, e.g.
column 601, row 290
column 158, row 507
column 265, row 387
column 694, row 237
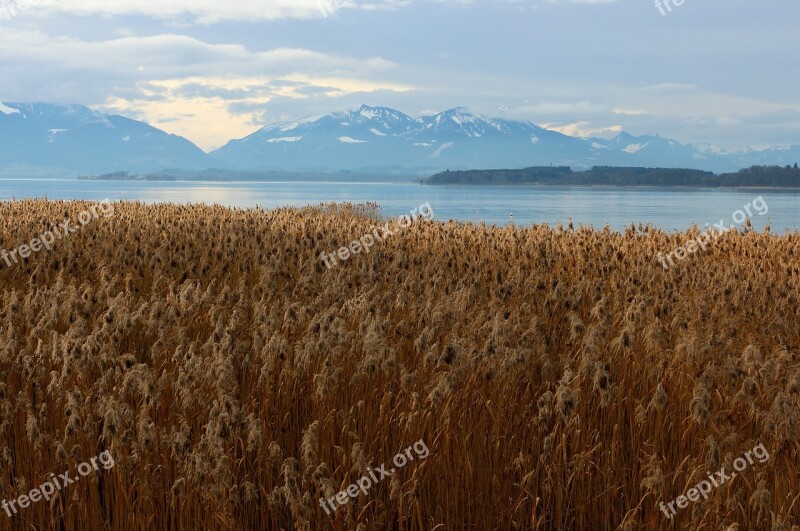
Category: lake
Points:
column 666, row 208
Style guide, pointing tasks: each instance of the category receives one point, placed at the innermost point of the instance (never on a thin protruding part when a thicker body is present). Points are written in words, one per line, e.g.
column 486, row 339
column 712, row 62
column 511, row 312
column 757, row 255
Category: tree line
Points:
column 766, row 176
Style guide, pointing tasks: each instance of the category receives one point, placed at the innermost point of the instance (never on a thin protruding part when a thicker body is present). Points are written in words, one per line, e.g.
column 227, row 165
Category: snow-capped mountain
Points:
column 377, row 121
column 655, row 151
column 780, row 155
column 379, row 137
column 383, row 137
column 46, row 138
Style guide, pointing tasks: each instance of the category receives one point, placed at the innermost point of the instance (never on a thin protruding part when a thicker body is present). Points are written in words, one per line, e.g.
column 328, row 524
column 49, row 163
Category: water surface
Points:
column 666, row 208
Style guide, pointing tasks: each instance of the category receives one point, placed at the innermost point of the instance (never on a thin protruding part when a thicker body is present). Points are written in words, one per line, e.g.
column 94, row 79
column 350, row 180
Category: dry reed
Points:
column 561, row 378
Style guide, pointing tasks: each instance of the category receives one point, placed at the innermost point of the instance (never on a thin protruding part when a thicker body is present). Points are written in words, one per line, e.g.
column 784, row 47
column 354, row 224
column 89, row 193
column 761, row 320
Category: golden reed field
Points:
column 200, row 368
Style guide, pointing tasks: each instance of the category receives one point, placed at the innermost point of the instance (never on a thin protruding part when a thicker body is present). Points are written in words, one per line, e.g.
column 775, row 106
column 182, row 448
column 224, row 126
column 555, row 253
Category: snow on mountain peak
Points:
column 711, row 149
column 370, row 112
column 292, row 124
column 383, row 116
column 454, row 138
column 8, row 110
column 634, row 148
column 463, row 121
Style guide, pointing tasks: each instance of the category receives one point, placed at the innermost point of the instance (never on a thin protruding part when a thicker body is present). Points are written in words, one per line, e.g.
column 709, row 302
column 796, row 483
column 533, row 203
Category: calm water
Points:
column 669, row 209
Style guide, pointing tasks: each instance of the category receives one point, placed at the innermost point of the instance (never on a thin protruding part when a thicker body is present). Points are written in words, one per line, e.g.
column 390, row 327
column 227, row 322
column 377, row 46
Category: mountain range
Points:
column 39, row 139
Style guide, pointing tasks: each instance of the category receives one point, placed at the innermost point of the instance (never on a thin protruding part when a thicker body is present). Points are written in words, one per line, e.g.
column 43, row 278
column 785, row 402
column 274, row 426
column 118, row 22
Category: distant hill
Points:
column 763, row 176
column 226, row 175
column 39, row 139
column 381, row 137
column 44, row 139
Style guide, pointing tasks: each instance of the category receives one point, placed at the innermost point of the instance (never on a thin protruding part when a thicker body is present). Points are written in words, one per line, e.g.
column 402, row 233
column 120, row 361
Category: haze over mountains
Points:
column 44, row 139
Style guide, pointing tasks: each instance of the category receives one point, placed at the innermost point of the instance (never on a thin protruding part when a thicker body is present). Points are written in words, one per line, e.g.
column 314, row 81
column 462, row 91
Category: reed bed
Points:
column 561, row 378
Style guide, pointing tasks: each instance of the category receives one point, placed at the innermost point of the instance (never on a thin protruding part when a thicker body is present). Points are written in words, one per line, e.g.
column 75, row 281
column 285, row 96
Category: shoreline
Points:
column 616, row 186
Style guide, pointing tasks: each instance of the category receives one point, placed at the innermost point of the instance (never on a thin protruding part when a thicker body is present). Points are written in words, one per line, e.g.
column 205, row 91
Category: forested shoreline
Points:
column 763, row 176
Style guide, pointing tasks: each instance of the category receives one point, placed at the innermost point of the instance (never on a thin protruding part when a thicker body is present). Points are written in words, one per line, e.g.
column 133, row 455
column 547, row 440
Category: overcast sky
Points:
column 723, row 72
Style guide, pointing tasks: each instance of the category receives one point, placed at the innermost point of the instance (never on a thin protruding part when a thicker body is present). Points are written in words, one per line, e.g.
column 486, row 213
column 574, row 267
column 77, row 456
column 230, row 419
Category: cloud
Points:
column 203, row 11
column 164, row 79
column 629, row 112
column 583, row 129
column 211, row 111
column 214, row 70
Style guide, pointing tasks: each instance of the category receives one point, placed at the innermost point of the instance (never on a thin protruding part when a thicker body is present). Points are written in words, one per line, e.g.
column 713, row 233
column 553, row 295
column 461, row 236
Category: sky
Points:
column 706, row 71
